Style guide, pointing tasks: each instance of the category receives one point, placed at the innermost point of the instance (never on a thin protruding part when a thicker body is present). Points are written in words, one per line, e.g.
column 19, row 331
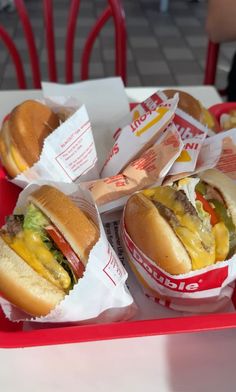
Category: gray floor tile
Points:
column 187, row 21
column 187, row 67
column 166, row 31
column 153, row 67
column 227, row 51
column 158, row 80
column 138, row 22
column 178, row 53
column 173, row 42
column 189, row 80
column 134, row 80
column 178, row 5
column 143, row 42
column 147, row 54
column 197, row 41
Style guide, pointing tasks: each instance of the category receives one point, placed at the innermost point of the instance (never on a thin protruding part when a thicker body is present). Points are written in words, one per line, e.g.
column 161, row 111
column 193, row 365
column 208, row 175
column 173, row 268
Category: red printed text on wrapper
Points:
column 201, row 282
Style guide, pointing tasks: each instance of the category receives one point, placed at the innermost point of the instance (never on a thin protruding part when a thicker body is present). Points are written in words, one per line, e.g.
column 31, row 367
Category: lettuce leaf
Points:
column 35, row 220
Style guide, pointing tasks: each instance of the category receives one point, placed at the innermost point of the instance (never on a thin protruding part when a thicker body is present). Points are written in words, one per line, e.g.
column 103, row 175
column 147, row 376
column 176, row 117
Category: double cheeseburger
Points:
column 44, row 252
column 186, row 226
column 23, row 133
column 193, row 107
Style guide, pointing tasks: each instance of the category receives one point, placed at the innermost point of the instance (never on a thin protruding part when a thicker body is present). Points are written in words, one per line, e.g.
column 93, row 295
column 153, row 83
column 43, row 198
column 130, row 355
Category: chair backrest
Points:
column 211, row 65
column 113, row 10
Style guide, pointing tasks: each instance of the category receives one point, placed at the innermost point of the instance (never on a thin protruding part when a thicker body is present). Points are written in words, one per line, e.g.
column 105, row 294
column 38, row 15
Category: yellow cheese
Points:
column 198, row 240
column 19, row 161
column 28, row 245
column 221, row 234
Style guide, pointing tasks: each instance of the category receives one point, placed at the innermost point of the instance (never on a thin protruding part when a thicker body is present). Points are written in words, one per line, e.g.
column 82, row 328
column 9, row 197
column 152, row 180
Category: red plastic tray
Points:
column 14, row 335
column 221, row 108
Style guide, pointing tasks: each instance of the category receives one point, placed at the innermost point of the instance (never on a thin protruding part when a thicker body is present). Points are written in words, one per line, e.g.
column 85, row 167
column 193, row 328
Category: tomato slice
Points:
column 75, row 263
column 208, row 208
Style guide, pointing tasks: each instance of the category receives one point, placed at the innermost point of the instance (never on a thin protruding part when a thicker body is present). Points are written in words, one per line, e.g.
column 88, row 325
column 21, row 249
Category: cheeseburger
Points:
column 187, row 226
column 193, row 107
column 23, row 133
column 44, row 252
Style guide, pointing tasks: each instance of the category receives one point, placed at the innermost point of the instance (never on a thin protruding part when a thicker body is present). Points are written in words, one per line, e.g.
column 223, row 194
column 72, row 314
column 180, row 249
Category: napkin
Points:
column 106, row 103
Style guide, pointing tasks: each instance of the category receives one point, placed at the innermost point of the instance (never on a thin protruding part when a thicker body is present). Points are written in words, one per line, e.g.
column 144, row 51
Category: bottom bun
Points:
column 154, row 236
column 24, row 287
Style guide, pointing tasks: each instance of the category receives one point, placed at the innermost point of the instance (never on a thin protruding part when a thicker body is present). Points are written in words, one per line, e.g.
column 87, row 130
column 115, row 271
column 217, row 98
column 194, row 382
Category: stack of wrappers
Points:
column 100, row 155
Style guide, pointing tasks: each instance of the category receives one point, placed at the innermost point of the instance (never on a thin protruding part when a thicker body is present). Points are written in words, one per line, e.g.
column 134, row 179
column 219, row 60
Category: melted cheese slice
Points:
column 28, row 245
column 221, row 234
column 198, row 240
column 19, row 161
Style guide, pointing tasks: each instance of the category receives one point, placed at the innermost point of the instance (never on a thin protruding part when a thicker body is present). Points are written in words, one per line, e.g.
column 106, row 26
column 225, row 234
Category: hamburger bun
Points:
column 193, row 107
column 23, row 280
column 66, row 216
column 157, row 241
column 23, row 133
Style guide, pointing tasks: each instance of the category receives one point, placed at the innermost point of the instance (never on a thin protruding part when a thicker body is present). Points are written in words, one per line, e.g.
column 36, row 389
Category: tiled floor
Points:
column 163, row 48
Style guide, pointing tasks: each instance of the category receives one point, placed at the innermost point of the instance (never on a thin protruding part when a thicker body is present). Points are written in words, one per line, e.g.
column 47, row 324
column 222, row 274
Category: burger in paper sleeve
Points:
column 43, row 254
column 181, row 240
column 50, row 140
column 23, row 133
column 54, row 256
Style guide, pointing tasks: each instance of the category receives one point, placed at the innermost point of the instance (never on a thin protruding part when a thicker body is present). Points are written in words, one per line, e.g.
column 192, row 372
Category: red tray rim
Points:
column 118, row 330
column 221, row 108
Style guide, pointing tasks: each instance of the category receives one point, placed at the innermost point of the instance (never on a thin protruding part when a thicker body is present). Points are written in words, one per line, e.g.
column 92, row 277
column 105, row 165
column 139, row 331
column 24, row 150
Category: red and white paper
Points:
column 206, row 290
column 137, row 137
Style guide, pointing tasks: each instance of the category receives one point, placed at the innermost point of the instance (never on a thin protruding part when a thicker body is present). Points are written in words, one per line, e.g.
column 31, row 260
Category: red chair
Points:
column 211, row 65
column 113, row 10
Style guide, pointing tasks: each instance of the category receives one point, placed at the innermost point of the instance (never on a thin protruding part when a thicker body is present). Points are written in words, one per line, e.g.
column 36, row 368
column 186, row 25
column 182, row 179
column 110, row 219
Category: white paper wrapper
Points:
column 192, row 132
column 106, row 102
column 101, row 295
column 149, row 169
column 137, row 137
column 218, row 151
column 69, row 152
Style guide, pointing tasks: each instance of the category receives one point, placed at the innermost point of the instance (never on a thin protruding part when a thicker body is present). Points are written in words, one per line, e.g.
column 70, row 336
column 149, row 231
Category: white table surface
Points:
column 206, row 94
column 195, row 362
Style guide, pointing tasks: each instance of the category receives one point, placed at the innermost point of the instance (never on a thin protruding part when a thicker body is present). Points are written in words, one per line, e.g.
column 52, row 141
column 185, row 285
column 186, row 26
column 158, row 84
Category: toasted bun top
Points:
column 29, row 124
column 224, row 185
column 79, row 230
column 154, row 236
column 194, row 108
column 24, row 287
column 187, row 103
